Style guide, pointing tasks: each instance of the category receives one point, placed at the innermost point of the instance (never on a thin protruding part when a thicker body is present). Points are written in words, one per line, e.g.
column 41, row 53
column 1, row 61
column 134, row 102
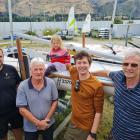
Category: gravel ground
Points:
column 93, row 41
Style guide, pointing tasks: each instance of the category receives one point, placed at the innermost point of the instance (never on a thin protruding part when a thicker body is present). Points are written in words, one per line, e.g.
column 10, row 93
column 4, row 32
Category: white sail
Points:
column 76, row 28
column 71, row 19
column 71, row 23
column 86, row 25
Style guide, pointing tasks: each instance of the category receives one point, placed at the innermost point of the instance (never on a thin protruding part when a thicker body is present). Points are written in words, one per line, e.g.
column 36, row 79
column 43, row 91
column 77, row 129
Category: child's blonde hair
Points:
column 58, row 39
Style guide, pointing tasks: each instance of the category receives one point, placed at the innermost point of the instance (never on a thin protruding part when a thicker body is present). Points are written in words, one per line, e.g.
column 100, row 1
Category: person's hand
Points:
column 42, row 125
column 90, row 138
column 47, row 122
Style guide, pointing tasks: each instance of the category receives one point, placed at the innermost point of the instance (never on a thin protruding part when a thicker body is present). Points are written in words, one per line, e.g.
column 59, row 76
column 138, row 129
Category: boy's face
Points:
column 82, row 65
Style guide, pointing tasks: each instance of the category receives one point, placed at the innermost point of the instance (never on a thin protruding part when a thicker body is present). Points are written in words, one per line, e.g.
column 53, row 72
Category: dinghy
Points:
column 63, row 82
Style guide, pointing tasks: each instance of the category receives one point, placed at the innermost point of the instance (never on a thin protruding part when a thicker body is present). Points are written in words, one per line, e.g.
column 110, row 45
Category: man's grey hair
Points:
column 132, row 52
column 37, row 61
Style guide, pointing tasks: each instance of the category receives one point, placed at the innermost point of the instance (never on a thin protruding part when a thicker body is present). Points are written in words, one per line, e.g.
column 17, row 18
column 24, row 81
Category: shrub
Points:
column 50, row 31
column 118, row 20
column 30, row 33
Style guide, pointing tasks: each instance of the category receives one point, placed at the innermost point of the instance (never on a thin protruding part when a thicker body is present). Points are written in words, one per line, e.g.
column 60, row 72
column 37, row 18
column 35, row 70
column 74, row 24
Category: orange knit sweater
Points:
column 87, row 101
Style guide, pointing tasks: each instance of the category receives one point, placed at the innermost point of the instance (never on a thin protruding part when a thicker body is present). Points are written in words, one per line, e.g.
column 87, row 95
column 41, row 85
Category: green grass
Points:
column 61, row 116
column 106, row 122
column 28, row 44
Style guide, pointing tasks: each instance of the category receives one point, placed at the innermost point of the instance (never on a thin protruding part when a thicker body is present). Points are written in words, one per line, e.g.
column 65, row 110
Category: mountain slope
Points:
column 51, row 7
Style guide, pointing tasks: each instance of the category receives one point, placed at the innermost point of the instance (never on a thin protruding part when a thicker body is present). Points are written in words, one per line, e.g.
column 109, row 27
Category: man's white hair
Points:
column 132, row 52
column 37, row 61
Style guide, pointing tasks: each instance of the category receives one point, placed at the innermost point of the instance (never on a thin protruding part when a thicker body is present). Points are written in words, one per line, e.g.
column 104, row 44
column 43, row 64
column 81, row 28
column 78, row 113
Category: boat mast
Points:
column 11, row 22
column 112, row 21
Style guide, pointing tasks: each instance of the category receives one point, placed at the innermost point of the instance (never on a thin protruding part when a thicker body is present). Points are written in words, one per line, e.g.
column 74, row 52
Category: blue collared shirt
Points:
column 126, row 121
column 37, row 102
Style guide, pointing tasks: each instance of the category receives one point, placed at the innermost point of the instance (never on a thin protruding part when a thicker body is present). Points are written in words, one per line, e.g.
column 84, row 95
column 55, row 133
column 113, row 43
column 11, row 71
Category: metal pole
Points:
column 83, row 40
column 30, row 16
column 126, row 37
column 44, row 15
column 11, row 22
column 112, row 22
column 54, row 17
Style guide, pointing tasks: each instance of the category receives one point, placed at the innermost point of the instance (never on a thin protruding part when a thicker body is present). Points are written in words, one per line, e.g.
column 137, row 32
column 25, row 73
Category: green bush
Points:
column 50, row 31
column 30, row 33
column 118, row 20
column 59, row 117
column 94, row 33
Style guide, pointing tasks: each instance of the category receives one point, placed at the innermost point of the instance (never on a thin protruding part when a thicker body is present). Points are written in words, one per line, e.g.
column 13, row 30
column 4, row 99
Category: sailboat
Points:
column 71, row 20
column 95, row 49
column 71, row 26
column 86, row 28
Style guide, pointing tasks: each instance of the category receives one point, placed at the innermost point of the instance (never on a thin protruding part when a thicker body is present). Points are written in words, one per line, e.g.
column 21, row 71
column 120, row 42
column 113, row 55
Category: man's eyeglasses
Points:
column 134, row 65
column 77, row 85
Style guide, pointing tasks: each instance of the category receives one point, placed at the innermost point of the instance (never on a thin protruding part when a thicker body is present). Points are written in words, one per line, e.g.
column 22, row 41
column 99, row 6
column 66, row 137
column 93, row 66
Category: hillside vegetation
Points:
column 129, row 8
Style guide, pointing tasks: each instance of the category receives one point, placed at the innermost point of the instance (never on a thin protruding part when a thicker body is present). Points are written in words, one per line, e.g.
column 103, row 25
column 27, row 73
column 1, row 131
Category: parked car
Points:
column 48, row 37
column 8, row 37
column 66, row 34
column 11, row 50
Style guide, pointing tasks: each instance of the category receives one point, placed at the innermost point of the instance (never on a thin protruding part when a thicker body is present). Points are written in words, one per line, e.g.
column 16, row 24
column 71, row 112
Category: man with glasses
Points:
column 126, row 120
column 87, row 99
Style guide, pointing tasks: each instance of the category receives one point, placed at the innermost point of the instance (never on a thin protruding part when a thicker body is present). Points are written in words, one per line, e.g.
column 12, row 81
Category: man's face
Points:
column 37, row 71
column 131, row 67
column 1, row 58
column 82, row 66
